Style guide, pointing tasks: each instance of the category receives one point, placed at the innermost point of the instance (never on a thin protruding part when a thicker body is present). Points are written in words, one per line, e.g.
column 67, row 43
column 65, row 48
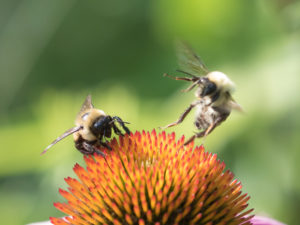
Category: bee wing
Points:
column 67, row 133
column 87, row 104
column 189, row 61
column 235, row 106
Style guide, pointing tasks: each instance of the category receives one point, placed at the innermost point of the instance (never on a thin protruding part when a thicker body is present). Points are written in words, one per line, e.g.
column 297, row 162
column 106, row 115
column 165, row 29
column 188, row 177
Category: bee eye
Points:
column 208, row 89
column 85, row 116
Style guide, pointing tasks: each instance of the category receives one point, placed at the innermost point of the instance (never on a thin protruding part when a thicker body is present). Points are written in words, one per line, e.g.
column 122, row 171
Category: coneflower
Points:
column 151, row 178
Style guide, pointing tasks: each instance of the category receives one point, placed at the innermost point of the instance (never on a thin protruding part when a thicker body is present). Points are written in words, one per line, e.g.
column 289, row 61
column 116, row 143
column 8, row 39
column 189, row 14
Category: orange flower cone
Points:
column 151, row 178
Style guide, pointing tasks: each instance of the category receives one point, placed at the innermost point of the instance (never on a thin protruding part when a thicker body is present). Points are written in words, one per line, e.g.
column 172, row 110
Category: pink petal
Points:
column 261, row 220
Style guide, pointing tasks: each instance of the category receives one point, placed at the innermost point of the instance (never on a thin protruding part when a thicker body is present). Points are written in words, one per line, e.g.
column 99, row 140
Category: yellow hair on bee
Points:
column 92, row 128
column 86, row 120
column 221, row 80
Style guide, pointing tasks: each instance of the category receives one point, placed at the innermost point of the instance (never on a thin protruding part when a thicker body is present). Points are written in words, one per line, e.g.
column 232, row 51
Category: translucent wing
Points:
column 87, row 104
column 189, row 61
column 67, row 133
column 85, row 108
column 234, row 105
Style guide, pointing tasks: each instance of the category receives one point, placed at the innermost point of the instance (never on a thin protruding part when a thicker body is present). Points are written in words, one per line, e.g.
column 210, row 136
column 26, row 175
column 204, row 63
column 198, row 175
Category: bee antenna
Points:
column 66, row 134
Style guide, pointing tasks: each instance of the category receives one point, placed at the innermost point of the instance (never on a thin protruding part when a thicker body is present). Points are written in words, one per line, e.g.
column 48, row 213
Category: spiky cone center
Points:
column 151, row 178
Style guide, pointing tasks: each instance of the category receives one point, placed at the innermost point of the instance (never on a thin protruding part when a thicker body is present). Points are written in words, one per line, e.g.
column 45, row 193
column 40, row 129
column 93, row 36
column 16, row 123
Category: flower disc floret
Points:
column 151, row 178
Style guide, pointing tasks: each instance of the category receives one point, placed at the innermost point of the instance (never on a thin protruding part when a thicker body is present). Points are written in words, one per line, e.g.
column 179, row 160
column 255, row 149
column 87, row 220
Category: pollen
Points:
column 151, row 178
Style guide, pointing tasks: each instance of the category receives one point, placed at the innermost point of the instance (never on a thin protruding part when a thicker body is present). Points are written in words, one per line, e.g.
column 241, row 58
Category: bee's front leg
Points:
column 193, row 79
column 122, row 123
column 116, row 130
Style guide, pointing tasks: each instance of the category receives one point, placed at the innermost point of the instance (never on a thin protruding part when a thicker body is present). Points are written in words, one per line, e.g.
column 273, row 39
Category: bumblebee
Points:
column 92, row 127
column 214, row 102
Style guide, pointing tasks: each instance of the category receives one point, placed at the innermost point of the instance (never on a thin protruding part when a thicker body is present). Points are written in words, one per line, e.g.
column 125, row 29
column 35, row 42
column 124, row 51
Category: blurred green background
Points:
column 54, row 53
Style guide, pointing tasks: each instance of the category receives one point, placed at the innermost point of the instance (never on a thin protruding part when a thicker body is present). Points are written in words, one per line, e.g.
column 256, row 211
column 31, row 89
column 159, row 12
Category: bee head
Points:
column 221, row 81
column 100, row 124
column 214, row 84
column 207, row 87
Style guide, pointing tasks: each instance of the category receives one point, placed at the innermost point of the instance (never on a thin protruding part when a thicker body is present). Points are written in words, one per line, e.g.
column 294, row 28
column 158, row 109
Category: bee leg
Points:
column 180, row 78
column 117, row 130
column 183, row 115
column 88, row 149
column 106, row 133
column 215, row 124
column 202, row 133
column 206, row 131
column 99, row 152
column 122, row 123
column 193, row 78
column 190, row 87
column 104, row 144
column 197, row 135
column 102, row 139
column 190, row 140
column 210, row 129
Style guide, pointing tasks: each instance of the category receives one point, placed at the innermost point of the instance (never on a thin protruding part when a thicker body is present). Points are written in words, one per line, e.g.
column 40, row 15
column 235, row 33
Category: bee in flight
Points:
column 92, row 127
column 214, row 101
